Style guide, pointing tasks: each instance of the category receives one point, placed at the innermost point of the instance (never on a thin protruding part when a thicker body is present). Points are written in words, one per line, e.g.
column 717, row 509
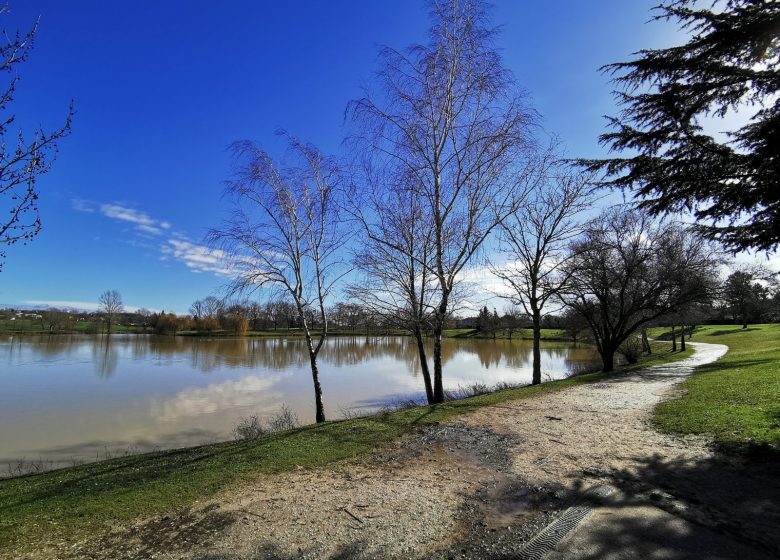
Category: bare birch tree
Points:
column 284, row 234
column 396, row 283
column 534, row 241
column 448, row 114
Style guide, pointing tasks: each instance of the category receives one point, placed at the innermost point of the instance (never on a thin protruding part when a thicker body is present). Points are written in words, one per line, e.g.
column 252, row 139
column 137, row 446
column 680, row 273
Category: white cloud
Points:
column 142, row 221
column 70, row 304
column 481, row 287
column 197, row 258
column 149, row 229
column 81, row 205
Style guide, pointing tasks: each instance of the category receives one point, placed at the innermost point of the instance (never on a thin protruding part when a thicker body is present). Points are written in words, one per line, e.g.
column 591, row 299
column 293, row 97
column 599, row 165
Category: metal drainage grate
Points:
column 549, row 537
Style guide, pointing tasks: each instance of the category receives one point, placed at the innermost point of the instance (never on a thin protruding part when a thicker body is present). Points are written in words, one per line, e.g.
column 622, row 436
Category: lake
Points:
column 73, row 398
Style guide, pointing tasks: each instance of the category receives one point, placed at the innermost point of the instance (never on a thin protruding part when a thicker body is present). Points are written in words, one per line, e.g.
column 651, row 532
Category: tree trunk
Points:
column 319, row 408
column 674, row 340
column 438, row 330
column 682, row 341
column 424, row 365
column 537, row 357
column 315, row 376
column 438, row 388
column 646, row 343
column 607, row 358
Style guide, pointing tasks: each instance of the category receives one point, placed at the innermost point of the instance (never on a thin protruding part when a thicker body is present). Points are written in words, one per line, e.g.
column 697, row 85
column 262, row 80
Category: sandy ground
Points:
column 478, row 487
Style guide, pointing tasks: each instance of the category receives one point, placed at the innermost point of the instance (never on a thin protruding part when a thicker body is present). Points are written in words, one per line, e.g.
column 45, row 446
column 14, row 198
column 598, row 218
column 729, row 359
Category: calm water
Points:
column 66, row 397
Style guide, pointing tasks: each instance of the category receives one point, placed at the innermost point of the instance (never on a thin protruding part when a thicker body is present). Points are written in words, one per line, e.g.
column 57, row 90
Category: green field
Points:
column 71, row 503
column 524, row 334
column 735, row 400
column 34, row 326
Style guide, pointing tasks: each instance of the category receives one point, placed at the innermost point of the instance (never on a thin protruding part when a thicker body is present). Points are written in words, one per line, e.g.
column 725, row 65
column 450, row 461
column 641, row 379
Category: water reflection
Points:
column 60, row 393
column 211, row 354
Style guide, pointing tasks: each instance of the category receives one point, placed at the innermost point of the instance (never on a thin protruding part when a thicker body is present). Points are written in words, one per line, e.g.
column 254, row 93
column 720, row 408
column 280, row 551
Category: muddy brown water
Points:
column 76, row 398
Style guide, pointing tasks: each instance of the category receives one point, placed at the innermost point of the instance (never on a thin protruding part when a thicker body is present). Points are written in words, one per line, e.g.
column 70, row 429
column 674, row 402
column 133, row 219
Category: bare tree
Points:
column 534, row 241
column 448, row 115
column 110, row 303
column 397, row 283
column 284, row 234
column 208, row 313
column 628, row 271
column 22, row 159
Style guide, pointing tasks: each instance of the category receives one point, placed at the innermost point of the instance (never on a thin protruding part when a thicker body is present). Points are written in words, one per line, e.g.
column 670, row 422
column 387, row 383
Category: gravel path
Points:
column 477, row 487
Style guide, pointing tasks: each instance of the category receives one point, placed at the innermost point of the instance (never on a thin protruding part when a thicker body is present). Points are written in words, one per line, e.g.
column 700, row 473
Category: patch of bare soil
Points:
column 476, row 488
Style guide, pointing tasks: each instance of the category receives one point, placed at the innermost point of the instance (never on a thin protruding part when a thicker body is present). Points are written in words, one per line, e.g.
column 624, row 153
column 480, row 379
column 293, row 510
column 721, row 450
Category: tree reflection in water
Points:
column 210, row 354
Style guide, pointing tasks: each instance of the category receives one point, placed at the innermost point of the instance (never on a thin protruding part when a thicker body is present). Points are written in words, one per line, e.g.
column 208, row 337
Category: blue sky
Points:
column 161, row 88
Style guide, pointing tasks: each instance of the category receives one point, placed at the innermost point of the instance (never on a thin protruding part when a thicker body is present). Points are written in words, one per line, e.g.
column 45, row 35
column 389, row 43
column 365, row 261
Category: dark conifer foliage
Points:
column 732, row 60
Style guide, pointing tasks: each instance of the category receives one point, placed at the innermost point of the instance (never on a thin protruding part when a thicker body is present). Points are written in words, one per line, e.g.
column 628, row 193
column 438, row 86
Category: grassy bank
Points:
column 735, row 400
column 519, row 334
column 70, row 504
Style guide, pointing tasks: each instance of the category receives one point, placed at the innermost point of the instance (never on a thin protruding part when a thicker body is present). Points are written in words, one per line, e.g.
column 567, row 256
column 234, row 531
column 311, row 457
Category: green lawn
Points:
column 735, row 400
column 73, row 503
column 524, row 334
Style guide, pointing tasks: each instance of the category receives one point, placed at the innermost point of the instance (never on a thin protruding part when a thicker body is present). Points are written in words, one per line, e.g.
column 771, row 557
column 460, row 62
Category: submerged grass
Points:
column 71, row 504
column 735, row 400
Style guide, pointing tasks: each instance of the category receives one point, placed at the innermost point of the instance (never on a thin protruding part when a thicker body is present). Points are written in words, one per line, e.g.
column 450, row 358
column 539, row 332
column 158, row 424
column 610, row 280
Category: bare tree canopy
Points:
column 627, row 271
column 22, row 159
column 396, row 281
column 284, row 234
column 534, row 241
column 449, row 116
column 110, row 303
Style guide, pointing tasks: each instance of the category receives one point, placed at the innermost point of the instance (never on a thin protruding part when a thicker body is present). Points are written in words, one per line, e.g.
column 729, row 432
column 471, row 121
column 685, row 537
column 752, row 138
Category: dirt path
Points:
column 476, row 487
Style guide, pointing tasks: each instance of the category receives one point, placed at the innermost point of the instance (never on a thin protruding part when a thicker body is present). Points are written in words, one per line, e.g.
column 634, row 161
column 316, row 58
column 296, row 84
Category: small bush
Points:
column 285, row 419
column 631, row 349
column 248, row 428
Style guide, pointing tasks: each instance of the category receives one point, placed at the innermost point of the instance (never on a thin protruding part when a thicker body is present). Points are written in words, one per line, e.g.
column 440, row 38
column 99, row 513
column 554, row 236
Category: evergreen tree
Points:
column 731, row 62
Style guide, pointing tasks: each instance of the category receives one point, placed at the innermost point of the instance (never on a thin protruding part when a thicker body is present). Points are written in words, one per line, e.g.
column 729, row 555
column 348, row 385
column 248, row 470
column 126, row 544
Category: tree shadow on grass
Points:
column 734, row 364
column 722, row 332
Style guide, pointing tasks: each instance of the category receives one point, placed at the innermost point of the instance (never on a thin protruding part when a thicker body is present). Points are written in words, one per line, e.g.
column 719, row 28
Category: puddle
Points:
column 503, row 505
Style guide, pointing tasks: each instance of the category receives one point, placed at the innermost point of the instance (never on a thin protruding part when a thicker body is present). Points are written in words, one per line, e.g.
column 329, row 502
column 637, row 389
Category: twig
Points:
column 352, row 515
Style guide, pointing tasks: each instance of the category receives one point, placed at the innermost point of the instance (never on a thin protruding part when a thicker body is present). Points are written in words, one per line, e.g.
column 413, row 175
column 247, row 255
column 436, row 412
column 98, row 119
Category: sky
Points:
column 161, row 89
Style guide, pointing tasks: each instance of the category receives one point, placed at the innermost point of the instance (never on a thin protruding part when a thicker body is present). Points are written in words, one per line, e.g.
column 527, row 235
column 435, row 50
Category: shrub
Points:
column 248, row 428
column 631, row 349
column 285, row 419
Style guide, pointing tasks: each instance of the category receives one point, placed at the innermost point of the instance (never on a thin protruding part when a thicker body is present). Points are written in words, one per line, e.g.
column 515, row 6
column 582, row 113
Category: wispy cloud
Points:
column 142, row 221
column 71, row 304
column 81, row 205
column 197, row 258
column 176, row 247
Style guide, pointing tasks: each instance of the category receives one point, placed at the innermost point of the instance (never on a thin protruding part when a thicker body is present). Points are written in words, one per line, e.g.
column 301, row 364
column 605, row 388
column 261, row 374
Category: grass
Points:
column 519, row 334
column 70, row 504
column 34, row 326
column 735, row 400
